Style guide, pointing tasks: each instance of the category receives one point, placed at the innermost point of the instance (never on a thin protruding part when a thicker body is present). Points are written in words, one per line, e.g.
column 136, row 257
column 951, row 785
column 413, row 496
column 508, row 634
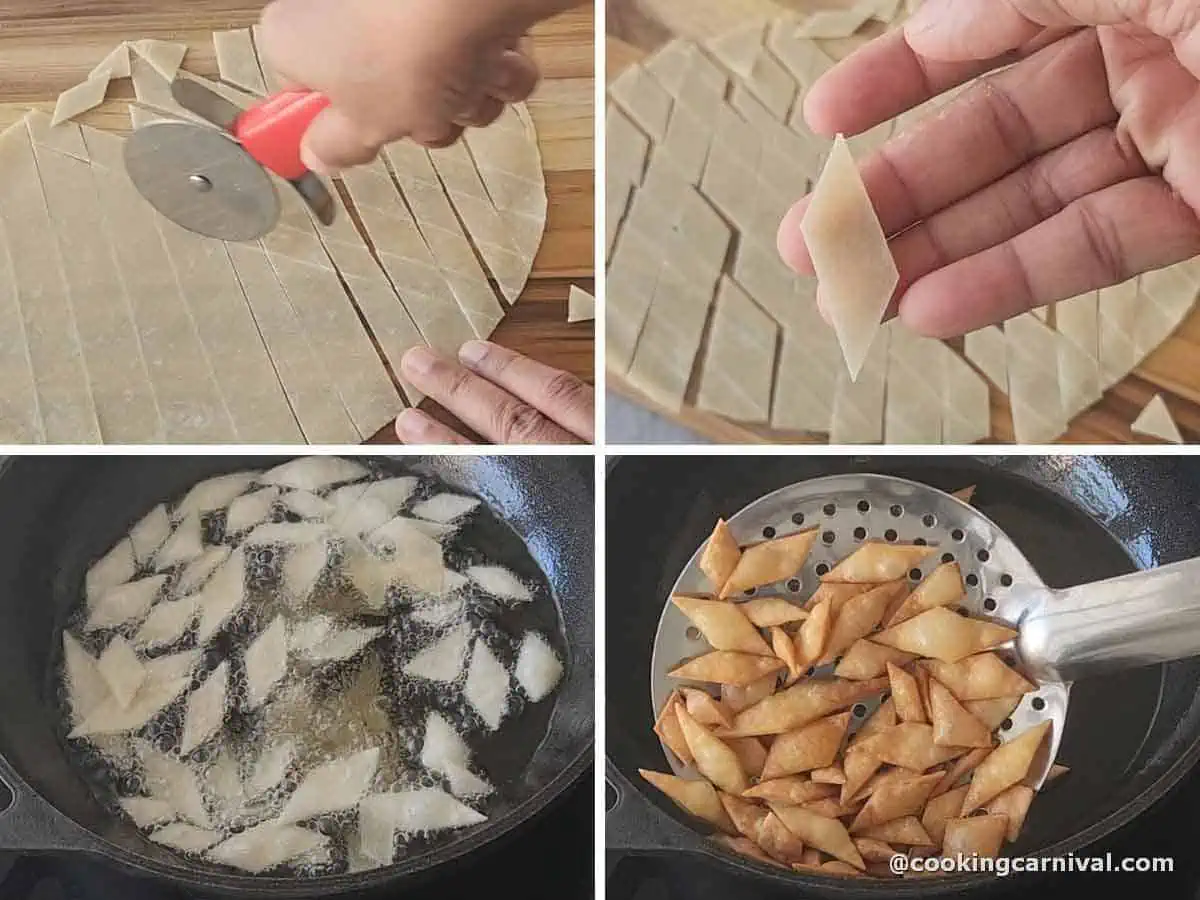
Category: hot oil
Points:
column 336, row 709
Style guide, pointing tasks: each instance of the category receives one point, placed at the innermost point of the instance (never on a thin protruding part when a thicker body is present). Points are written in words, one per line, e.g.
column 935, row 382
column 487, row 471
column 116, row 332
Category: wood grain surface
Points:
column 47, row 46
column 636, row 28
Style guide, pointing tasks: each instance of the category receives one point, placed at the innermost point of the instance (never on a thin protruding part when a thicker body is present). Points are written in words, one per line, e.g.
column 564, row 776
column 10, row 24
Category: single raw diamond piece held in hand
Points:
column 850, row 254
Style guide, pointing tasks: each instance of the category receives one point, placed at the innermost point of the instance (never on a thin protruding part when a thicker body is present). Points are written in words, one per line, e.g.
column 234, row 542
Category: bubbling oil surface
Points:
column 332, row 710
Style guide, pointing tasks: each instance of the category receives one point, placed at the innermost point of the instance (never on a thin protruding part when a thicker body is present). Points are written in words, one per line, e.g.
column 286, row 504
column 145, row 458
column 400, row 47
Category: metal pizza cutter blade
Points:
column 1136, row 620
column 216, row 181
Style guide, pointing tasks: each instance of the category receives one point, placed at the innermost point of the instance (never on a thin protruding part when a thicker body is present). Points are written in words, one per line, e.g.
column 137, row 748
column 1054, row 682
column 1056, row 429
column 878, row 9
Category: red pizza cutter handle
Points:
column 272, row 131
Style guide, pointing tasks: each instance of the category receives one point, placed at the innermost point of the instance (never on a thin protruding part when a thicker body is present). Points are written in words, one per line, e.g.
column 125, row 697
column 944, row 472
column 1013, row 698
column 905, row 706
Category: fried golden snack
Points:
column 800, row 704
column 714, row 759
column 769, row 562
column 942, row 587
column 1056, row 772
column 978, row 835
column 739, row 697
column 909, row 745
column 785, row 649
column 744, row 815
column 883, row 718
column 696, row 797
column 746, row 847
column 720, row 556
column 814, row 633
column 940, row 810
column 727, row 667
column 921, row 674
column 866, row 659
column 966, row 494
column 953, row 726
column 668, row 730
column 944, row 635
column 960, row 768
column 1013, row 803
column 858, row 617
column 811, row 857
column 825, row 834
column 751, row 753
column 777, row 840
column 723, row 624
column 906, row 695
column 992, row 713
column 794, row 790
column 763, row 612
column 876, row 562
column 809, row 747
column 872, row 850
column 828, row 775
column 907, row 830
column 836, row 594
column 831, row 808
column 859, row 769
column 899, row 797
column 983, row 676
column 704, row 708
column 1004, row 767
column 881, row 779
column 837, row 867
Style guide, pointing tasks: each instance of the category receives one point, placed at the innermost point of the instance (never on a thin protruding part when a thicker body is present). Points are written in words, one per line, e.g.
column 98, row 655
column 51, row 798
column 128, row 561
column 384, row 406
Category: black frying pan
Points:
column 1129, row 738
column 60, row 514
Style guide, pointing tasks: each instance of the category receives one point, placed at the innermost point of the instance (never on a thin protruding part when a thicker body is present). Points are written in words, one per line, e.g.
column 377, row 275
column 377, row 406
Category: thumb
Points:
column 334, row 142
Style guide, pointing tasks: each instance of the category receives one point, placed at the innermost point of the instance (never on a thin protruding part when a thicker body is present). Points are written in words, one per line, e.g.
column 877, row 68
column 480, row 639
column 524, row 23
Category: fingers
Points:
column 482, row 406
column 334, row 142
column 415, row 427
column 1100, row 240
column 561, row 396
column 512, row 78
column 992, row 129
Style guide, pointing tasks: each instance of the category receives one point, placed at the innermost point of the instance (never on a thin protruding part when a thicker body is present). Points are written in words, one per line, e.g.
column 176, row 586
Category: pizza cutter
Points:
column 217, row 181
column 1135, row 620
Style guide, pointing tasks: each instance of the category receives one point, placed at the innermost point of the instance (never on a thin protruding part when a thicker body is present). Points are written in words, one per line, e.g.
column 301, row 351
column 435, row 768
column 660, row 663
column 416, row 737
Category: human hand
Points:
column 1074, row 169
column 418, row 69
column 504, row 397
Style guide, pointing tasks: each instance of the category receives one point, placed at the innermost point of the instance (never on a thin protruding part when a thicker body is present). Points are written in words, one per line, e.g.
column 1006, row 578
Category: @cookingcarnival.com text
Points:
column 1010, row 865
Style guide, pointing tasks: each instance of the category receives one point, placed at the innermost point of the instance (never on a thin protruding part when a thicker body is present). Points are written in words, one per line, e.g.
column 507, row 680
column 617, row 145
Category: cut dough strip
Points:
column 20, row 419
column 236, row 60
column 85, row 96
column 736, row 378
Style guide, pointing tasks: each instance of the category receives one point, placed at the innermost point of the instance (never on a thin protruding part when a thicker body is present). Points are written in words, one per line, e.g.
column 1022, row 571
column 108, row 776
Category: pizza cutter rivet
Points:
column 1038, row 703
column 890, row 535
column 1006, row 725
column 983, row 556
column 989, row 604
column 798, row 519
column 200, row 183
column 768, row 532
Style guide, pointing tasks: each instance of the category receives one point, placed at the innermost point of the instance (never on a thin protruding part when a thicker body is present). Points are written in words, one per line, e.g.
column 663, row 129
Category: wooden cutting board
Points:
column 636, row 28
column 47, row 46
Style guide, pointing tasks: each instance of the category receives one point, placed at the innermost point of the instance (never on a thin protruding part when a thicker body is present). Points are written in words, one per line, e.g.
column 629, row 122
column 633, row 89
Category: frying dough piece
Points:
column 237, row 61
column 361, row 518
column 851, row 257
column 214, row 493
column 121, row 670
column 487, row 685
column 186, row 838
column 740, row 364
column 1155, row 421
column 147, row 811
column 175, row 782
column 499, row 582
column 167, row 623
column 446, row 753
column 124, row 603
column 581, row 306
column 302, row 569
column 419, row 811
column 250, row 509
column 287, row 534
column 538, row 669
column 263, row 847
column 224, row 594
column 185, row 544
column 445, row 507
column 314, row 473
column 150, row 533
column 271, row 767
column 200, row 569
column 115, row 568
column 266, row 662
column 308, row 505
column 333, row 786
column 85, row 96
column 63, row 394
column 342, row 645
column 115, row 65
column 205, row 710
column 86, row 688
column 442, row 661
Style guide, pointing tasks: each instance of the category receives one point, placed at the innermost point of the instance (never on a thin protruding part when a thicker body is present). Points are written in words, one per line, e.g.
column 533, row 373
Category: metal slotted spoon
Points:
column 1135, row 620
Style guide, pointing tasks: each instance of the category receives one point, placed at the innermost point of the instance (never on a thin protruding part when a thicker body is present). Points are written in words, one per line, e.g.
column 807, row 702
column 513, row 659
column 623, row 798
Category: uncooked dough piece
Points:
column 115, row 65
column 185, row 544
column 581, row 306
column 115, row 567
column 1079, row 378
column 1034, row 391
column 273, row 81
column 447, row 754
column 237, row 61
column 627, row 150
column 250, row 510
column 483, row 222
column 415, row 812
column 184, row 837
column 914, row 403
column 858, row 405
column 166, row 57
column 214, row 493
column 224, row 594
column 166, row 623
column 988, row 350
column 854, row 265
column 487, row 685
column 1155, row 421
column 150, row 533
column 1118, row 312
column 422, row 190
column 442, row 661
column 121, row 390
column 85, row 96
column 332, row 787
column 538, row 668
column 967, row 413
column 85, row 685
column 60, row 376
column 320, row 412
column 736, row 374
column 124, row 603
column 205, row 710
column 20, row 420
column 1078, row 320
column 263, row 847
column 640, row 97
column 153, row 90
column 826, row 24
column 180, row 371
column 632, row 279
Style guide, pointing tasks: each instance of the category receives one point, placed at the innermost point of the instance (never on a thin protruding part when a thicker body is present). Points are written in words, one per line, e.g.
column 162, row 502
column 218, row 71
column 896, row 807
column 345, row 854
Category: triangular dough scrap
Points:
column 581, row 306
column 115, row 65
column 738, row 50
column 80, row 99
column 165, row 56
column 1155, row 421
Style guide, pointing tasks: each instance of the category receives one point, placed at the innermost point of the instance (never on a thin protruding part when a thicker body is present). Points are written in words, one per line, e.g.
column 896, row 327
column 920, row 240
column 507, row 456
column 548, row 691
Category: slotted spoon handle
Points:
column 1124, row 623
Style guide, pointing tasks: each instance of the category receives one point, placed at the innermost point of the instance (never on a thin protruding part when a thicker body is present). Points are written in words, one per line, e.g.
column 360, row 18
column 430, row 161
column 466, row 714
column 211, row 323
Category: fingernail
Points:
column 419, row 361
column 472, row 353
column 412, row 426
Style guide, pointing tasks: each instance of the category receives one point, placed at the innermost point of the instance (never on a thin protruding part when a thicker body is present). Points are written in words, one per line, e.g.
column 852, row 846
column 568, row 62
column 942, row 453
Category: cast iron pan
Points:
column 60, row 514
column 1129, row 738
